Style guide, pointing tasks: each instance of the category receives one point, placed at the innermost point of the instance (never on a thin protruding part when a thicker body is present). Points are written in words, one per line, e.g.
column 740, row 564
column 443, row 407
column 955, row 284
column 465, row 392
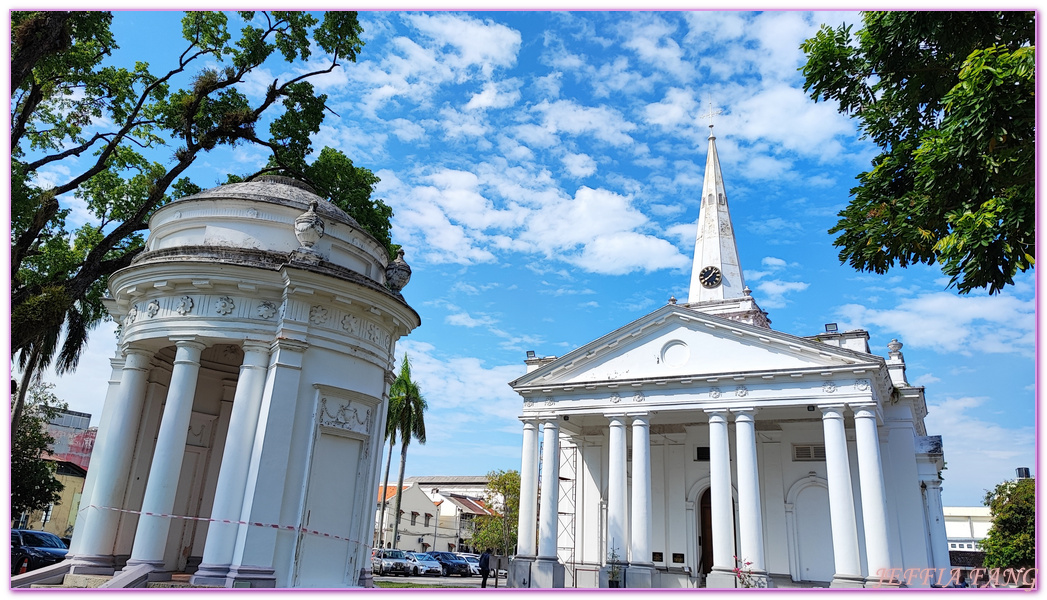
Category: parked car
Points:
column 391, row 562
column 34, row 549
column 452, row 565
column 424, row 564
column 474, row 563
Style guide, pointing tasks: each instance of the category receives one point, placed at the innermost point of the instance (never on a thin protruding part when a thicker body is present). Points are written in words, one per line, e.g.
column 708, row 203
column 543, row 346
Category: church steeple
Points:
column 717, row 285
column 717, row 272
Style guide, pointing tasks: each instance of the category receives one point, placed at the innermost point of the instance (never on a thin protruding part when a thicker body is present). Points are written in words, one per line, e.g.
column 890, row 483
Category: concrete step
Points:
column 179, row 580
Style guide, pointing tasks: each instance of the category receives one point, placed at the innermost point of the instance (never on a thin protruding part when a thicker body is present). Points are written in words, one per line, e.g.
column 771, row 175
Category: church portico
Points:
column 696, row 440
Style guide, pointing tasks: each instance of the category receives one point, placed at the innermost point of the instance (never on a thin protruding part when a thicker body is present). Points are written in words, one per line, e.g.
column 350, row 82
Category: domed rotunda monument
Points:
column 248, row 400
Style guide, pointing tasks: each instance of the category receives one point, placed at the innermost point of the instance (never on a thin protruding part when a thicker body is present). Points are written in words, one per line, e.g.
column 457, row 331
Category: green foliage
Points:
column 33, row 482
column 1011, row 542
column 98, row 128
column 499, row 531
column 335, row 177
column 949, row 97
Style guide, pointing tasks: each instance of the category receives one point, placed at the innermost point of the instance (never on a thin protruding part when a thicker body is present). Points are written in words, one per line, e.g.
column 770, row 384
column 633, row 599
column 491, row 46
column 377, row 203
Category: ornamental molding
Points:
column 224, row 305
column 266, row 309
column 343, row 414
column 152, row 308
column 131, row 315
column 318, row 315
column 185, row 306
column 528, row 403
column 862, row 385
column 714, row 392
column 639, row 397
column 615, row 398
column 828, row 387
column 741, row 391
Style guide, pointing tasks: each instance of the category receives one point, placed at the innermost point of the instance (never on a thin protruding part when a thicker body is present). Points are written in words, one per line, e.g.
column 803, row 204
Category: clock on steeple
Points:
column 710, row 277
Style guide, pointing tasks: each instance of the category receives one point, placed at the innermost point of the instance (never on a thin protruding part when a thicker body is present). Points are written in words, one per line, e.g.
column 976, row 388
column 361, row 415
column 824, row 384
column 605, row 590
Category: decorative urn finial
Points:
column 398, row 273
column 672, row 299
column 309, row 227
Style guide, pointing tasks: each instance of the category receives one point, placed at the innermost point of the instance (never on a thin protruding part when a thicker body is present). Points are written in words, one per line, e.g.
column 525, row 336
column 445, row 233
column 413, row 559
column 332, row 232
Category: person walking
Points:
column 485, row 567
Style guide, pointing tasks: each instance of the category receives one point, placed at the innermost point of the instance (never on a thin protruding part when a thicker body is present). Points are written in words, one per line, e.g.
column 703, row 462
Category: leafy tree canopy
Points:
column 949, row 97
column 1011, row 542
column 499, row 531
column 33, row 482
column 122, row 138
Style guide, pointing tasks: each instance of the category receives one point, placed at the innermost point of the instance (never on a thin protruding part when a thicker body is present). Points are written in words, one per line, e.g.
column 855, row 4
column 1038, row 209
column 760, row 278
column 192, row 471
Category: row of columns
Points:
column 750, row 521
column 93, row 547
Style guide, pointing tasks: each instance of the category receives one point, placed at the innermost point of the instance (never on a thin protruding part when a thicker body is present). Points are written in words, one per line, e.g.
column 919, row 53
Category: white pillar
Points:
column 874, row 500
column 151, row 535
column 525, row 545
column 722, row 504
column 750, row 522
column 111, row 395
column 111, row 464
column 848, row 570
column 550, row 490
column 641, row 521
column 617, row 491
column 932, row 499
column 236, row 460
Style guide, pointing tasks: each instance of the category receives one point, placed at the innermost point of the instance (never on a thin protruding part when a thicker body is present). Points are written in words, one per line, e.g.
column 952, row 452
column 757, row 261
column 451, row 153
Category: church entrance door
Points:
column 705, row 537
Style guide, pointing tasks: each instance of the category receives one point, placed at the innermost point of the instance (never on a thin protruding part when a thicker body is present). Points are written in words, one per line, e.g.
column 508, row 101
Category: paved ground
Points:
column 456, row 581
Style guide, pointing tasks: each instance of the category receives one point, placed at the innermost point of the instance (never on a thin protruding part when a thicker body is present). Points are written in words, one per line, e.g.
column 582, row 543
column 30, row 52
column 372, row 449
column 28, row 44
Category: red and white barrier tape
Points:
column 228, row 521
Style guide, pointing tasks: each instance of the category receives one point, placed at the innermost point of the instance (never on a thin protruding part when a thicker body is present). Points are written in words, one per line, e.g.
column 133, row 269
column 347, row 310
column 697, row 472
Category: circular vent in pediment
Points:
column 675, row 354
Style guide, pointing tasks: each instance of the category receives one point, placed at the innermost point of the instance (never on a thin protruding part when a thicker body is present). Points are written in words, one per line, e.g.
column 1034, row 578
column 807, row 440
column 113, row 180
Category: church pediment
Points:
column 676, row 341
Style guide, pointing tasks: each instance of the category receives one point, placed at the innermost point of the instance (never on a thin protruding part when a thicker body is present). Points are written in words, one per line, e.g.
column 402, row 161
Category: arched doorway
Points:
column 705, row 533
column 809, row 531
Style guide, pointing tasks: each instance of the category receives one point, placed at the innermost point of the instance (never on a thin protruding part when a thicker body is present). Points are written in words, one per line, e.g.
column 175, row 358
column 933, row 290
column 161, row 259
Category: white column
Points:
column 874, row 500
column 932, row 499
column 111, row 395
column 841, row 502
column 111, row 463
column 550, row 490
column 617, row 492
column 528, row 526
column 151, row 535
column 236, row 460
column 722, row 504
column 750, row 523
column 641, row 521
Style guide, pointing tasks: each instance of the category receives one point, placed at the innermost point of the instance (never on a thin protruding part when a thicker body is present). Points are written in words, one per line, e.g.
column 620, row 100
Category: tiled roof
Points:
column 385, row 493
column 470, row 505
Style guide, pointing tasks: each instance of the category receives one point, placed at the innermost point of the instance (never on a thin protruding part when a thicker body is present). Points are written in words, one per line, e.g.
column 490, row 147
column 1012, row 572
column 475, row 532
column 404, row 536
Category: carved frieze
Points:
column 266, row 309
column 152, row 308
column 714, row 392
column 343, row 414
column 318, row 315
column 829, row 387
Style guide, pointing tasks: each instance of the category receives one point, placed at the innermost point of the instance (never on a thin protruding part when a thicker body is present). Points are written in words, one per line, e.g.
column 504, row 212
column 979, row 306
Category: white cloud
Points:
column 473, row 43
column 602, row 122
column 979, row 453
column 628, row 251
column 464, row 319
column 579, row 165
column 946, row 322
column 649, row 36
column 495, row 95
column 772, row 292
column 676, row 108
column 407, row 131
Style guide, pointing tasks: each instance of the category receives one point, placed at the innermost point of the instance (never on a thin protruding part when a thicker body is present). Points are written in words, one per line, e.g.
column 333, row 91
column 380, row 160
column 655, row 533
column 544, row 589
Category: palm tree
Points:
column 390, row 434
column 410, row 423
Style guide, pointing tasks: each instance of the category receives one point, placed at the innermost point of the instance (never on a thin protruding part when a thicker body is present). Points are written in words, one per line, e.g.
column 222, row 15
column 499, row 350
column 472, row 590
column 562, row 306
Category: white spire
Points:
column 717, row 272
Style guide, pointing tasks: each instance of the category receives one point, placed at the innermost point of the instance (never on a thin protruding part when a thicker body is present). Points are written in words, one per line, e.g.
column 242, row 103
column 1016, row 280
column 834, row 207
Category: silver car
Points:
column 389, row 562
column 424, row 564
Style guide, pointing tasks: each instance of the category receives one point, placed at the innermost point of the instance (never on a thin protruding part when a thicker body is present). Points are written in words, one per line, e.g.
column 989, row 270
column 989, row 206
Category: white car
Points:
column 424, row 564
column 474, row 562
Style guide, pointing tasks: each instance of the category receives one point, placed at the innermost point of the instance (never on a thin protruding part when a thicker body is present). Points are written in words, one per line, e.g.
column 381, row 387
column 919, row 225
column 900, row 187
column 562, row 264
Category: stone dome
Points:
column 253, row 222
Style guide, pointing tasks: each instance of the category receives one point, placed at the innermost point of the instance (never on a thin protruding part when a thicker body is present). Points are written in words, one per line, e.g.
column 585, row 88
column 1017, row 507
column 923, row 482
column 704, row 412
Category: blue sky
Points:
column 544, row 169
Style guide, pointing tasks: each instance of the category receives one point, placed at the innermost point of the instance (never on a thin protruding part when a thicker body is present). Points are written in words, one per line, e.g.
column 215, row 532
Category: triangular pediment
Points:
column 675, row 341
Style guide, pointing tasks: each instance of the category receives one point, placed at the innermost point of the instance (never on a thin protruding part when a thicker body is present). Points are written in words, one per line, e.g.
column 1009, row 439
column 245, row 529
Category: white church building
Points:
column 697, row 439
column 238, row 445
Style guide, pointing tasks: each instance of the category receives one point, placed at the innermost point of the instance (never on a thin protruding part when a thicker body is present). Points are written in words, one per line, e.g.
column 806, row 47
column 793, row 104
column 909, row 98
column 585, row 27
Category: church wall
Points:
column 903, row 489
column 772, row 495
